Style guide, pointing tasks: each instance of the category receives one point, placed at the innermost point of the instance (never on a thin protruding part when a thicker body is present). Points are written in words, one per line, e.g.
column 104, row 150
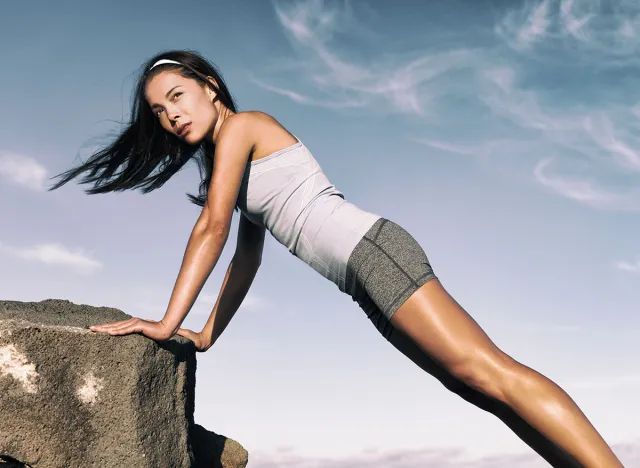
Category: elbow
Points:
column 252, row 264
column 213, row 224
column 249, row 262
column 216, row 228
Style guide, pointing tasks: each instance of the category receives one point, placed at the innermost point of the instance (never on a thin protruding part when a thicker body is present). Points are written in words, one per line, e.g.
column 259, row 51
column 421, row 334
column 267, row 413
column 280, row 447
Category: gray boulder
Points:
column 73, row 398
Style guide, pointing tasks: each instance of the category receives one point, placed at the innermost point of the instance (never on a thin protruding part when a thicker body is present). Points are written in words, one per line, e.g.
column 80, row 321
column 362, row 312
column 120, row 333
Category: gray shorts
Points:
column 385, row 268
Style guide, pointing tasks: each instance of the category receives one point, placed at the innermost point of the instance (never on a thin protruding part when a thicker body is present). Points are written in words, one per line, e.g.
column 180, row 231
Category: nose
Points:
column 173, row 114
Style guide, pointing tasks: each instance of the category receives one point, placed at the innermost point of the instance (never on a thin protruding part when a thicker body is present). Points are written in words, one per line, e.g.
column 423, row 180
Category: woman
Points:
column 248, row 161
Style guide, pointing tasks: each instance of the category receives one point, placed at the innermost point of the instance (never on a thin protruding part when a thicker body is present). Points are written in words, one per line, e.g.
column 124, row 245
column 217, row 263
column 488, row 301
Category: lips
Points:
column 183, row 129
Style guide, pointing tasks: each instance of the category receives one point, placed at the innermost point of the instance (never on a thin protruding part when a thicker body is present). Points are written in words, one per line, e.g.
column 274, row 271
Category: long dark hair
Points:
column 144, row 156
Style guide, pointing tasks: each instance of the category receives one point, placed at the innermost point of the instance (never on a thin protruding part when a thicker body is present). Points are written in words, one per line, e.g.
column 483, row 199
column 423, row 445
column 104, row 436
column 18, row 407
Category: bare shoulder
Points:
column 268, row 135
column 235, row 137
column 235, row 126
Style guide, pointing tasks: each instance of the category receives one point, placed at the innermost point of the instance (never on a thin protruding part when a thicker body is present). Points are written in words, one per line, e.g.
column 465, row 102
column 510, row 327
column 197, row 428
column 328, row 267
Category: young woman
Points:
column 248, row 161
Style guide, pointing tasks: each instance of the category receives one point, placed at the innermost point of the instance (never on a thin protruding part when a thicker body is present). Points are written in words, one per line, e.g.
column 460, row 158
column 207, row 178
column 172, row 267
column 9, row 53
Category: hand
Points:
column 202, row 344
column 149, row 328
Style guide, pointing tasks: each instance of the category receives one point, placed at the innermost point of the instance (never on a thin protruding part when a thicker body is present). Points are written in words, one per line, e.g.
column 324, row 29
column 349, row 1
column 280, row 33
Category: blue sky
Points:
column 505, row 136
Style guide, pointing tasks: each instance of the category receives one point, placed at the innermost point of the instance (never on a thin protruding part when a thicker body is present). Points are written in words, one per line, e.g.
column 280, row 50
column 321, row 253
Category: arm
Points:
column 237, row 281
column 233, row 147
column 201, row 256
column 212, row 228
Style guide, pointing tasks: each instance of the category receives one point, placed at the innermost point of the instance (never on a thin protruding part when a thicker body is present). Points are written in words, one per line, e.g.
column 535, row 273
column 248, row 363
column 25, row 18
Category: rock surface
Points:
column 73, row 398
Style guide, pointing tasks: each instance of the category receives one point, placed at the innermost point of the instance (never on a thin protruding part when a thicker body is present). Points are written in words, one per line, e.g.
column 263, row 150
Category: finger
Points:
column 120, row 328
column 130, row 325
column 111, row 325
column 190, row 335
column 186, row 333
column 125, row 329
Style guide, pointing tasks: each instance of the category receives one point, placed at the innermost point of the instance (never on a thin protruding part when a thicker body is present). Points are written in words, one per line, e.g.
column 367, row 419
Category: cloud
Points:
column 595, row 141
column 484, row 101
column 425, row 458
column 302, row 99
column 483, row 149
column 601, row 129
column 499, row 92
column 54, row 254
column 341, row 80
column 449, row 147
column 23, row 171
column 536, row 24
column 523, row 27
column 631, row 267
column 594, row 31
column 584, row 191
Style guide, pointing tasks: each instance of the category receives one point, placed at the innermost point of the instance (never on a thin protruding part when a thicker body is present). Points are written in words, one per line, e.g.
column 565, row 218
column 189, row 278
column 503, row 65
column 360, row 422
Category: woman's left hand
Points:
column 149, row 328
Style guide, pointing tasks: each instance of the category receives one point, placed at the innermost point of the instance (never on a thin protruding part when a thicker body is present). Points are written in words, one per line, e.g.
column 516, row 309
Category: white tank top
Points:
column 288, row 193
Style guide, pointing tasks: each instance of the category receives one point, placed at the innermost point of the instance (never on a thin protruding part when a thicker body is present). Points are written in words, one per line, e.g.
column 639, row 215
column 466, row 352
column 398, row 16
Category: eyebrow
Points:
column 167, row 95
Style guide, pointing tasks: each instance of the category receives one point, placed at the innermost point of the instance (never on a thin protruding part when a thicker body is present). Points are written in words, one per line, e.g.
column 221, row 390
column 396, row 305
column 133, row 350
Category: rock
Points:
column 70, row 397
column 213, row 450
column 8, row 462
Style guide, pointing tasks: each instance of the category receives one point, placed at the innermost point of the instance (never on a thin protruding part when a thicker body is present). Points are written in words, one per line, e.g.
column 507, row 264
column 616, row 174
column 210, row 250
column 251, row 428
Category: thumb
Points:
column 197, row 338
column 185, row 332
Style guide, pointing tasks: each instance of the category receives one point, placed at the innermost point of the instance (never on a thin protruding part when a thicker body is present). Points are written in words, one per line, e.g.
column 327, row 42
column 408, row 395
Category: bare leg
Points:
column 454, row 342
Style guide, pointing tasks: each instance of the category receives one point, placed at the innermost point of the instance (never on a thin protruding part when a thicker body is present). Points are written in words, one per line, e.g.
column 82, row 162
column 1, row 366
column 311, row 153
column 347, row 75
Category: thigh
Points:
column 447, row 333
column 386, row 267
column 391, row 278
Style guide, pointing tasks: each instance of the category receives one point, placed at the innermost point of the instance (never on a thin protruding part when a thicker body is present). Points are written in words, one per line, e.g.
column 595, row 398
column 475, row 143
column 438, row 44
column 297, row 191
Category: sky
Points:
column 503, row 135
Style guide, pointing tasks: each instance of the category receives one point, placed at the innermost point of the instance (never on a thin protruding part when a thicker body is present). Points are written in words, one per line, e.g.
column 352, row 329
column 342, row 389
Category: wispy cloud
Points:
column 450, row 147
column 54, row 254
column 536, row 24
column 425, row 458
column 482, row 149
column 523, row 27
column 583, row 190
column 597, row 141
column 631, row 267
column 508, row 116
column 594, row 31
column 499, row 91
column 341, row 80
column 23, row 171
column 303, row 99
column 601, row 129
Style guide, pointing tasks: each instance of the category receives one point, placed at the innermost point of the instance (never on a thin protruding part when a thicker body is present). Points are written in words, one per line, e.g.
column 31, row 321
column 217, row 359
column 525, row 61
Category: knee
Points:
column 491, row 374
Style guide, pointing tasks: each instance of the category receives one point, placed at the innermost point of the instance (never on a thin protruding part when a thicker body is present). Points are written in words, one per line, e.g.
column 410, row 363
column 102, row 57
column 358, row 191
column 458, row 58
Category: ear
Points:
column 211, row 92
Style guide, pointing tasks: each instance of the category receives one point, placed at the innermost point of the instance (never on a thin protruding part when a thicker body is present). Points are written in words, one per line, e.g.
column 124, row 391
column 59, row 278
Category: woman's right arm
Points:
column 237, row 281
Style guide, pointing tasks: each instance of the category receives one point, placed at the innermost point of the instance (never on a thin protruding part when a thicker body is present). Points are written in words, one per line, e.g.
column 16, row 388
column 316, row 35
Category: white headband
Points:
column 162, row 62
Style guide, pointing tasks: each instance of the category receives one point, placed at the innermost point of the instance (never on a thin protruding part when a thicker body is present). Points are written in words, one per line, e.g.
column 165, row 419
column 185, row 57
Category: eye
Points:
column 157, row 113
column 175, row 96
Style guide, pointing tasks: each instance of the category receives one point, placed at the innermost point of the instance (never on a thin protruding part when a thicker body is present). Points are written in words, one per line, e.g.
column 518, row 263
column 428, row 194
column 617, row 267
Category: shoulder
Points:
column 236, row 125
column 249, row 129
column 237, row 132
column 246, row 126
column 255, row 132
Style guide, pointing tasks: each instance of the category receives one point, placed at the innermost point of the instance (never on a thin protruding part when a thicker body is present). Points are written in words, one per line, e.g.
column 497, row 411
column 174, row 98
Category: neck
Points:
column 223, row 113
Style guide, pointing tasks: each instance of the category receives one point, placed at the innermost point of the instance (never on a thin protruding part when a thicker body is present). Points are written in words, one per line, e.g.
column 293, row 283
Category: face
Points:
column 183, row 106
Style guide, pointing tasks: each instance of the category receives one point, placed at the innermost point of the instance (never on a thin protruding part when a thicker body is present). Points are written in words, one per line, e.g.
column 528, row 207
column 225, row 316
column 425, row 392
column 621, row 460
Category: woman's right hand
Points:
column 202, row 344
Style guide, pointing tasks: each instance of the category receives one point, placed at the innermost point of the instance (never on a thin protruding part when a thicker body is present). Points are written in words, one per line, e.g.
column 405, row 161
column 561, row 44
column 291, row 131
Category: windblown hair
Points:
column 144, row 156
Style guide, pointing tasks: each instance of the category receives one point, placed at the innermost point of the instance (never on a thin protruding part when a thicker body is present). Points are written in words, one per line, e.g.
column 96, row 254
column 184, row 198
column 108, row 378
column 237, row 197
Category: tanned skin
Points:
column 431, row 326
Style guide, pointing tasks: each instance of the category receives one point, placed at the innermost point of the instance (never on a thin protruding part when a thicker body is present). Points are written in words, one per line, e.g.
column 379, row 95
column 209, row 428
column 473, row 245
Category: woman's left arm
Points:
column 208, row 237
